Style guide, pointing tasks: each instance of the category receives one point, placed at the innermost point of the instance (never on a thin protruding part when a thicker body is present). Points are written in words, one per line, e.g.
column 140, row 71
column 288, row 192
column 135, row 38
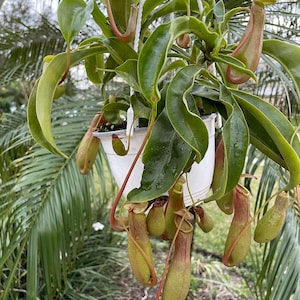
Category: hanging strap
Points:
column 131, row 124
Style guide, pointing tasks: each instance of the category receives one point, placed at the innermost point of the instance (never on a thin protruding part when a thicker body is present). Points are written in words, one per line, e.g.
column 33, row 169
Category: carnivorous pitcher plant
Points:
column 176, row 63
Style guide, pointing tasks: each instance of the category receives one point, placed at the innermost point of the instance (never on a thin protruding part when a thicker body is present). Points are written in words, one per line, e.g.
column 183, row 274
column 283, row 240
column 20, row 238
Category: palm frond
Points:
column 283, row 21
column 50, row 215
column 23, row 44
column 88, row 279
column 279, row 270
column 280, row 273
column 25, row 41
column 13, row 129
column 14, row 141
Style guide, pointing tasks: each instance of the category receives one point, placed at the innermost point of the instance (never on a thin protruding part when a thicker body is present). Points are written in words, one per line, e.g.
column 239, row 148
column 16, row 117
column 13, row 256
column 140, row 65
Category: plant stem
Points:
column 67, row 64
column 115, row 222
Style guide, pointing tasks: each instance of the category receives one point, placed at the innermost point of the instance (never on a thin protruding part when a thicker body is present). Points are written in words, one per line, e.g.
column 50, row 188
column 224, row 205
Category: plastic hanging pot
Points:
column 199, row 178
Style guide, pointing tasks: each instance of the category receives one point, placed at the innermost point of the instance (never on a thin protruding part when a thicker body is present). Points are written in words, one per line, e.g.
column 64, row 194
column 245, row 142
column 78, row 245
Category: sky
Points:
column 40, row 5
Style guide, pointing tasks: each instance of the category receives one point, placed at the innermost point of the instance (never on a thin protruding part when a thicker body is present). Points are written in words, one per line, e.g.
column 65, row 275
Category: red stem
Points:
column 115, row 222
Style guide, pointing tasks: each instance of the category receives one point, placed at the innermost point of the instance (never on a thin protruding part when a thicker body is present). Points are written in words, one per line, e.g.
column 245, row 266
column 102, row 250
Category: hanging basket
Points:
column 199, row 178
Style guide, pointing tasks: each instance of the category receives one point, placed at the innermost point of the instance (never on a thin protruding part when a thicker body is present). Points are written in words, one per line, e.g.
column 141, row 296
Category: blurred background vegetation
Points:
column 44, row 197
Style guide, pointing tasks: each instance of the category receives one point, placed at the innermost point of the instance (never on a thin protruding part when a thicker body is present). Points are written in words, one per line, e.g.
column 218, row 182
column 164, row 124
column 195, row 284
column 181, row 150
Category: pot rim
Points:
column 138, row 130
column 118, row 132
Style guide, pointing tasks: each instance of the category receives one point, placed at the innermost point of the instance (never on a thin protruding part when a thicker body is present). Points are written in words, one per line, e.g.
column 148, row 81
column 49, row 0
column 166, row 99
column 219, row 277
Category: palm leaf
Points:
column 91, row 269
column 280, row 273
column 23, row 46
column 14, row 142
column 50, row 216
column 12, row 128
column 279, row 270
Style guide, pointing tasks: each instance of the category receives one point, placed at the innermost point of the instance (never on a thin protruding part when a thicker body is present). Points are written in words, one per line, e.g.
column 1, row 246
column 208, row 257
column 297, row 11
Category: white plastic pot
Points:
column 199, row 178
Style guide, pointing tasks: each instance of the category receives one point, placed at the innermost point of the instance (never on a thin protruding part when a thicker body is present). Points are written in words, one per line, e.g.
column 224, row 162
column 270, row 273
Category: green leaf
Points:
column 72, row 16
column 233, row 62
column 128, row 71
column 288, row 55
column 40, row 102
column 219, row 11
column 151, row 61
column 112, row 111
column 140, row 106
column 153, row 55
column 279, row 129
column 165, row 156
column 32, row 276
column 101, row 21
column 261, row 139
column 235, row 136
column 275, row 118
column 177, row 64
column 149, row 6
column 185, row 121
column 35, row 126
column 236, row 141
column 118, row 50
column 163, row 9
column 94, row 67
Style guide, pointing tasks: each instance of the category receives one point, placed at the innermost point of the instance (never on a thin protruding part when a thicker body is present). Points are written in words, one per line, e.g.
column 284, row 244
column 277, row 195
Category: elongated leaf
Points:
column 112, row 111
column 35, row 126
column 166, row 8
column 165, row 156
column 154, row 53
column 140, row 106
column 174, row 65
column 149, row 6
column 118, row 50
column 32, row 276
column 186, row 122
column 273, row 114
column 279, row 129
column 40, row 102
column 235, row 136
column 219, row 11
column 280, row 271
column 72, row 16
column 288, row 55
column 152, row 60
column 236, row 141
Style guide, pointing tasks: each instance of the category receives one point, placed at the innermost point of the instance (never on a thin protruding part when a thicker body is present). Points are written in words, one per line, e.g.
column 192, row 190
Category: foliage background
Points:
column 47, row 244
